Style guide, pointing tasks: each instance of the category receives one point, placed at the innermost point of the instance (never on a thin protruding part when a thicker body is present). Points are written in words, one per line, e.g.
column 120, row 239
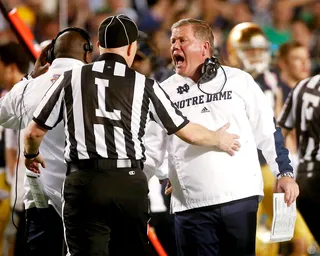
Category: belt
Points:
column 102, row 164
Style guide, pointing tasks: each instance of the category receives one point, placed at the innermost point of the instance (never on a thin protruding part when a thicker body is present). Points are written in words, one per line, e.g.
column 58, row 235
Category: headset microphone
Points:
column 209, row 71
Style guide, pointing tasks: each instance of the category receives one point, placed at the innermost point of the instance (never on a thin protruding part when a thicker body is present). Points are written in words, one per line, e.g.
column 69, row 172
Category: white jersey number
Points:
column 101, row 111
column 308, row 113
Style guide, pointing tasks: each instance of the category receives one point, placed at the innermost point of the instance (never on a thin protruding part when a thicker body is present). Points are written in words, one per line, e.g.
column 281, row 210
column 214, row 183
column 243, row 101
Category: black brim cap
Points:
column 118, row 31
column 142, row 36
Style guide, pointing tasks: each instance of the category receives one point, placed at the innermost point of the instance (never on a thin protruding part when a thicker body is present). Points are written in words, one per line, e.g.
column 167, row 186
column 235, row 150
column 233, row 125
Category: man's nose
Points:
column 175, row 46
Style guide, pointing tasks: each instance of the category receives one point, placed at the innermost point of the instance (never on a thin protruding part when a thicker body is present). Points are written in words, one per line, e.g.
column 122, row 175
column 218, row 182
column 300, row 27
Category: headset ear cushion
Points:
column 88, row 46
column 50, row 54
column 49, row 59
column 209, row 69
column 204, row 66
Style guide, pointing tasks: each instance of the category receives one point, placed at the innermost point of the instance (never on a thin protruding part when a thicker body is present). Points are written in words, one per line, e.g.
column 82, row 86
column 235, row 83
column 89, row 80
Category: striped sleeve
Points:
column 287, row 115
column 163, row 110
column 49, row 111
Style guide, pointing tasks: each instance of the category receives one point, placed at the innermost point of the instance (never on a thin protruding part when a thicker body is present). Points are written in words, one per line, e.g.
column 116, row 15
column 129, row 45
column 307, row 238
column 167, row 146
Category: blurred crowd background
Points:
column 283, row 21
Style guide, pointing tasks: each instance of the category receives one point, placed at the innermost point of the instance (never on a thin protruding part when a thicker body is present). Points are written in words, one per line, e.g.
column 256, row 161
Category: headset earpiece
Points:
column 87, row 47
column 209, row 70
column 50, row 54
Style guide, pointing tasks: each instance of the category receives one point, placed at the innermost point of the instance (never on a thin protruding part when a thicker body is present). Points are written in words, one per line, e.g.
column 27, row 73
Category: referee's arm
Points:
column 46, row 116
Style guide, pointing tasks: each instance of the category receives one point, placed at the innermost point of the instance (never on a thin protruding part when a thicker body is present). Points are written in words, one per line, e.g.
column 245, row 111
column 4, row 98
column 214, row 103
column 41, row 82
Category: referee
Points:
column 105, row 106
column 302, row 113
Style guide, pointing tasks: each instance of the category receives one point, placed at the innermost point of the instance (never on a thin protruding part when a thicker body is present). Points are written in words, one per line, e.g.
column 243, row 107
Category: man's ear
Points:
column 129, row 50
column 98, row 44
column 88, row 57
column 206, row 48
column 132, row 49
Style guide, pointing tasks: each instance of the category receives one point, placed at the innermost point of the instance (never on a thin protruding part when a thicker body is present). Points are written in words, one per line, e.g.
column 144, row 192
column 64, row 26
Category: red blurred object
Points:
column 22, row 32
column 155, row 242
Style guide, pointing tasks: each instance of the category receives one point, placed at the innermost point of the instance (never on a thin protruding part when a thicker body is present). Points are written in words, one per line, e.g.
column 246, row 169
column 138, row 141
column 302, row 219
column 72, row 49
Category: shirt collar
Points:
column 184, row 78
column 65, row 62
column 112, row 56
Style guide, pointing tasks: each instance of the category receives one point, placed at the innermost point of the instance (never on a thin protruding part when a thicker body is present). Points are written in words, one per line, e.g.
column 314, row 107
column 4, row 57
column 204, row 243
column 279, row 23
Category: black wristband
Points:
column 30, row 156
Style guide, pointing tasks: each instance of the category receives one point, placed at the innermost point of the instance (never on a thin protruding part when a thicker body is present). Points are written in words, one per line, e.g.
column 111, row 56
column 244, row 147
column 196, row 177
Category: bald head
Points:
column 71, row 44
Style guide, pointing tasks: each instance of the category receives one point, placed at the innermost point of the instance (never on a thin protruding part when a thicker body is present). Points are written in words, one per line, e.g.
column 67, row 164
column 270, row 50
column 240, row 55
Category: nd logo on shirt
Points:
column 55, row 77
column 183, row 89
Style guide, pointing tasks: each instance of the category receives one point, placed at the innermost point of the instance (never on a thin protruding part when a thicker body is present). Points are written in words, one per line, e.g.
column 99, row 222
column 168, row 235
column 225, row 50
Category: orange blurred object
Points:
column 24, row 32
column 155, row 242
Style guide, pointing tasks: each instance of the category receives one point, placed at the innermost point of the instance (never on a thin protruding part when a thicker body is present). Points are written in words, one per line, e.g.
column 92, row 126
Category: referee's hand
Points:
column 33, row 164
column 227, row 142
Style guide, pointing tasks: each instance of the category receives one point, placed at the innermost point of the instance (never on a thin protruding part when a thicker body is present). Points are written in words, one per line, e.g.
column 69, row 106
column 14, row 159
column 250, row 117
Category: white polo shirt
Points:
column 205, row 176
column 52, row 146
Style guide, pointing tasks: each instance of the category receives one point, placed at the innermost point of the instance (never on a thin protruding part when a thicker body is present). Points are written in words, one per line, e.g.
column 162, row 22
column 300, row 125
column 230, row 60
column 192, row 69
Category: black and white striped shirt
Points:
column 302, row 112
column 105, row 106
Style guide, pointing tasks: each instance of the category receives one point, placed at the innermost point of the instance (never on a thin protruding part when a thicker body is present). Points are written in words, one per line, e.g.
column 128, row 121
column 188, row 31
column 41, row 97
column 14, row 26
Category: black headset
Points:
column 209, row 71
column 88, row 47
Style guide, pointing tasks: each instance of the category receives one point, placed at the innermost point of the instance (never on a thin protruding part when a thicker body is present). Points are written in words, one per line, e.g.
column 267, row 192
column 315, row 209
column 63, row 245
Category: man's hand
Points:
column 289, row 187
column 199, row 135
column 33, row 164
column 227, row 142
column 168, row 189
column 41, row 66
